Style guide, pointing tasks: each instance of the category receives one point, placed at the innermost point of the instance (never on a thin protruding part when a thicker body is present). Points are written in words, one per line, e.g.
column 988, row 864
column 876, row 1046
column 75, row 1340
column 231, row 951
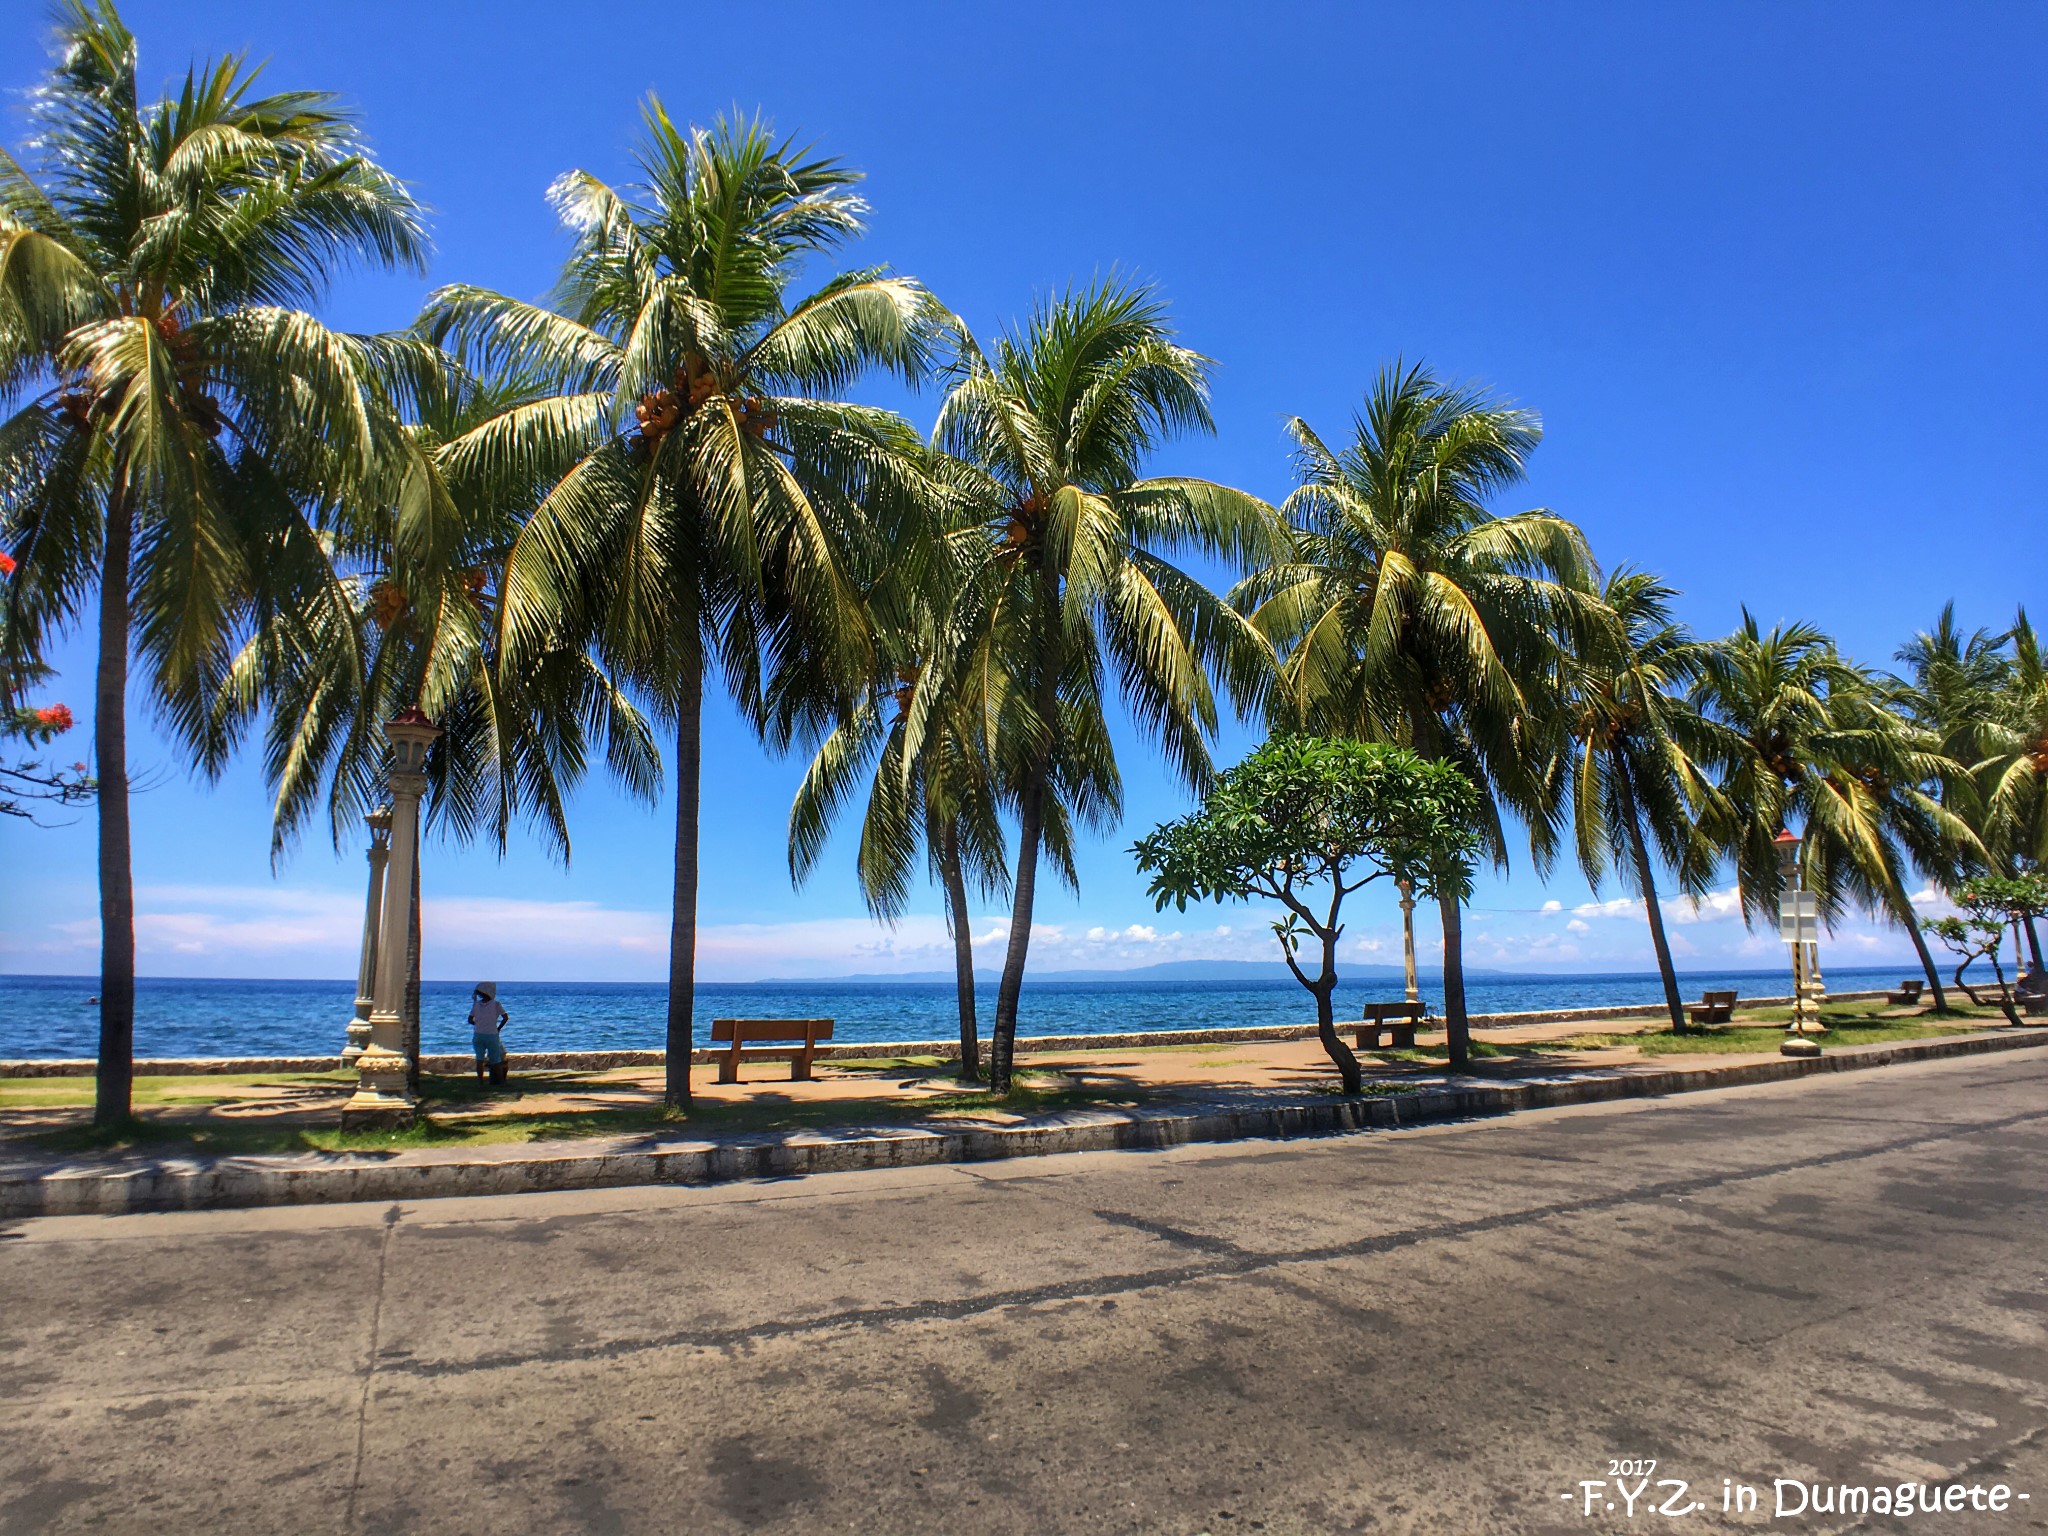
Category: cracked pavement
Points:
column 1440, row 1330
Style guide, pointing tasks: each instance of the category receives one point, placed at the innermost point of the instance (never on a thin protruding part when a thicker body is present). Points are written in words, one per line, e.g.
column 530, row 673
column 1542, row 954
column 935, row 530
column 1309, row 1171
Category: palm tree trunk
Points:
column 1457, row 1031
column 1030, row 828
column 2034, row 940
column 963, row 952
column 1646, row 877
column 1428, row 734
column 1902, row 914
column 115, row 1072
column 682, row 933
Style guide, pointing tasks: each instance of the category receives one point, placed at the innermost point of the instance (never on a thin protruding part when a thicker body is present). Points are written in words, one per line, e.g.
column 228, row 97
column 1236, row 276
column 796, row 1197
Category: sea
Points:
column 56, row 1016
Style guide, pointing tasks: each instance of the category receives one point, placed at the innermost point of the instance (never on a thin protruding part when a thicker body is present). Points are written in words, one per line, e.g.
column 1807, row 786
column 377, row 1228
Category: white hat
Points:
column 488, row 988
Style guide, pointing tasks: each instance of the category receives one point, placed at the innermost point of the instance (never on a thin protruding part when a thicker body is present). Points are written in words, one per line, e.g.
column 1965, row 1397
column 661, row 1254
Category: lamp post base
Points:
column 1798, row 1045
column 383, row 1100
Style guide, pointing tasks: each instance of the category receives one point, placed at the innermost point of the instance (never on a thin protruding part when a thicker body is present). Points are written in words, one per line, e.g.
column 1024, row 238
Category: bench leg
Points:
column 729, row 1067
column 800, row 1068
column 1404, row 1037
column 1368, row 1037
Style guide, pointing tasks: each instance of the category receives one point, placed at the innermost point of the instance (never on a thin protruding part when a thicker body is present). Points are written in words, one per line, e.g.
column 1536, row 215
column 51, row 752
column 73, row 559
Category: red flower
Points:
column 57, row 716
column 6, row 563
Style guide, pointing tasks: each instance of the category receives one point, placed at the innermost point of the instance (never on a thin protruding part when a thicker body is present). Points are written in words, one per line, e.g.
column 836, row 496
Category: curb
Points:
column 849, row 1050
column 201, row 1183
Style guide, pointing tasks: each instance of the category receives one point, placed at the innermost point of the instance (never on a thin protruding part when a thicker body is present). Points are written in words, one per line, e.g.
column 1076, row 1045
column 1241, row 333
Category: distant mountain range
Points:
column 1168, row 970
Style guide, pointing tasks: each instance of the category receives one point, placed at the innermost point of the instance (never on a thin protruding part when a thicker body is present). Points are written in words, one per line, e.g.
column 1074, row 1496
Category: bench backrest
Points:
column 1379, row 1013
column 740, row 1031
column 1718, row 999
column 1911, row 986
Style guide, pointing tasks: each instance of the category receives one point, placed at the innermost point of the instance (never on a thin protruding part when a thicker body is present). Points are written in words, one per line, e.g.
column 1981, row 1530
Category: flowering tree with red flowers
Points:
column 24, row 781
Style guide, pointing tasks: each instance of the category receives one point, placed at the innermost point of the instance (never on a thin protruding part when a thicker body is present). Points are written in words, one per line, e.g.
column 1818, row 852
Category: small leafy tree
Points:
column 1305, row 821
column 1989, row 903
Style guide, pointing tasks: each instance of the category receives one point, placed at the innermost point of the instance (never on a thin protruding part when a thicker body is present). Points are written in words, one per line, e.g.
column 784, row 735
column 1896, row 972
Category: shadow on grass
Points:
column 1847, row 1025
column 149, row 1136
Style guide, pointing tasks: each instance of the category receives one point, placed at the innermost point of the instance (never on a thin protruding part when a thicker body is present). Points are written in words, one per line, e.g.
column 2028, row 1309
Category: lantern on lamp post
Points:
column 1799, row 926
column 384, row 1098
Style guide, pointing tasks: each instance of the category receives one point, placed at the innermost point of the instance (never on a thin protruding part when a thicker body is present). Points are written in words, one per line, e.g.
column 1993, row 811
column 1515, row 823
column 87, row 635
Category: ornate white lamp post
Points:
column 383, row 1097
column 1799, row 926
column 373, row 906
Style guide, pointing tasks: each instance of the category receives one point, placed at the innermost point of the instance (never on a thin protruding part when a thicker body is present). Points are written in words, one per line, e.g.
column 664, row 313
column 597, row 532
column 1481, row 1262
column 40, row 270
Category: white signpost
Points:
column 1799, row 926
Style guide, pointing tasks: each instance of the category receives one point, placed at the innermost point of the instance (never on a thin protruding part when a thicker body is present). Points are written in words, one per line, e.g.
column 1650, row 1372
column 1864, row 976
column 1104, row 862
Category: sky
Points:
column 1774, row 275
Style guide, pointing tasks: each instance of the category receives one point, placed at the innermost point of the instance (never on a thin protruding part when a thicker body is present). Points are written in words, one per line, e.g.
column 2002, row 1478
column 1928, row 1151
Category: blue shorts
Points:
column 490, row 1047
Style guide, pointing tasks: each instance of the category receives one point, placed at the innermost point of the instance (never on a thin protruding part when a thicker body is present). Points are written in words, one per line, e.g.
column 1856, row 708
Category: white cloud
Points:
column 1553, row 905
column 1716, row 906
column 1579, row 925
column 1621, row 906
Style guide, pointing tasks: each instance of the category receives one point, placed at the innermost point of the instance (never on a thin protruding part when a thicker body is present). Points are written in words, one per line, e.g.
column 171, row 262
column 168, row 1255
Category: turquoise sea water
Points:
column 50, row 1016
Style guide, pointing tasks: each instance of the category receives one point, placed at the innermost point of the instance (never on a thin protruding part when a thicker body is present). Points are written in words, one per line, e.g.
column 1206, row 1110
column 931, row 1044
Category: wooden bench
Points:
column 744, row 1035
column 1907, row 995
column 1713, row 1008
column 1398, row 1020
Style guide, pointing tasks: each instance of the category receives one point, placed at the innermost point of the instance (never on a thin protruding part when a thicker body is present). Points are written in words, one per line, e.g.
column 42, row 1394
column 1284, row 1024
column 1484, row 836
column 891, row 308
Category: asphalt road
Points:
column 1442, row 1330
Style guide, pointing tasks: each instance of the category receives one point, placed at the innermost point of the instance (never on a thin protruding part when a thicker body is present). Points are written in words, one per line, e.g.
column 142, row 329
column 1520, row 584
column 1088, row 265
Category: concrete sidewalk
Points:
column 35, row 1186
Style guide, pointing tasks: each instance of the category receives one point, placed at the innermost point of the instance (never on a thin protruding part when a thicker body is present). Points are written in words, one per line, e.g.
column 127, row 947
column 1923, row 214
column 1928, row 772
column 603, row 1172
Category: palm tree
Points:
column 1816, row 745
column 2014, row 768
column 160, row 377
column 1913, row 785
column 722, row 510
column 1988, row 710
column 1636, row 770
column 1410, row 612
column 945, row 797
column 400, row 606
column 1070, row 580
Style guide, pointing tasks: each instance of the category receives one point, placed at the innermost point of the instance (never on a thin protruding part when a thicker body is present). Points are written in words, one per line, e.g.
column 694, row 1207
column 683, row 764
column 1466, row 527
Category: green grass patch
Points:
column 194, row 1088
column 1848, row 1024
column 150, row 1135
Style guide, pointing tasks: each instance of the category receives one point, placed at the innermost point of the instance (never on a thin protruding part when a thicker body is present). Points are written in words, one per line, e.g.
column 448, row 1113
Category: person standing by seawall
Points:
column 486, row 1019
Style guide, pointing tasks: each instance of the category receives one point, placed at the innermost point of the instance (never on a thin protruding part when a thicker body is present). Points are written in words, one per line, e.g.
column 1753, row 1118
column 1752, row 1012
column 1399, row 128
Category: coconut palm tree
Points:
column 1638, row 767
column 1777, row 691
column 1408, row 611
column 1817, row 746
column 945, row 799
column 167, row 393
column 2014, row 768
column 399, row 606
column 1913, row 786
column 724, row 510
column 1071, row 580
column 1980, row 698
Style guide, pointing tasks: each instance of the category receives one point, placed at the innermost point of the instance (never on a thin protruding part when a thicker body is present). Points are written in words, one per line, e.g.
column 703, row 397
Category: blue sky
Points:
column 1776, row 277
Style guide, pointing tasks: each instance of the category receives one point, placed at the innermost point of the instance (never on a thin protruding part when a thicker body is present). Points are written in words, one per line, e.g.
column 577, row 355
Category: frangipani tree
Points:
column 1408, row 611
column 171, row 404
column 1307, row 822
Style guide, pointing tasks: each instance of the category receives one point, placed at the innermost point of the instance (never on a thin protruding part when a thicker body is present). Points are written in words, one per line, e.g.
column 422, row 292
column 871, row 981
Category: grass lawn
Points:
column 1848, row 1024
column 195, row 1088
column 144, row 1134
